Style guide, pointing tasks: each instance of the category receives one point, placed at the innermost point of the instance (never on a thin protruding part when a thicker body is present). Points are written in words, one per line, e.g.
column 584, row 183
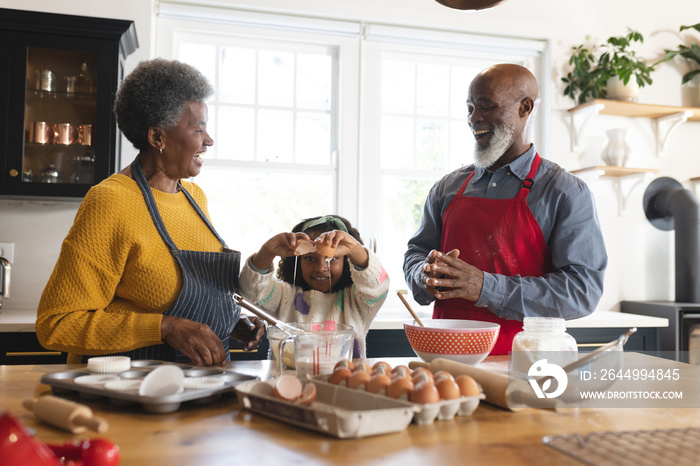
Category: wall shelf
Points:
column 667, row 118
column 619, row 175
column 615, row 172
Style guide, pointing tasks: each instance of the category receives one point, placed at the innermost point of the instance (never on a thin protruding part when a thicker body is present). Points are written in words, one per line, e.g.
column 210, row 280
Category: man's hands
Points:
column 446, row 276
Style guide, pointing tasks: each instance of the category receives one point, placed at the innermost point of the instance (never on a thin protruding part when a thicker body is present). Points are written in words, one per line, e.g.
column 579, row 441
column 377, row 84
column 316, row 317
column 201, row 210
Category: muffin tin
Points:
column 425, row 413
column 202, row 384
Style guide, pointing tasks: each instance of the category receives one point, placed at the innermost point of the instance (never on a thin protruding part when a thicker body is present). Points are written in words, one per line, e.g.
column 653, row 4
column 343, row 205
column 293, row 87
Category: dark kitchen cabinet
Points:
column 58, row 77
column 24, row 348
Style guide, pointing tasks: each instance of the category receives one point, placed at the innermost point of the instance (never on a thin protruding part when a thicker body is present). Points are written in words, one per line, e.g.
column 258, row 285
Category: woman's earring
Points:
column 161, row 151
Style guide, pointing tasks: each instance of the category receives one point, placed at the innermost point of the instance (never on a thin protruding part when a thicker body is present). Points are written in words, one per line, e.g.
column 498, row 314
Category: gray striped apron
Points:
column 209, row 280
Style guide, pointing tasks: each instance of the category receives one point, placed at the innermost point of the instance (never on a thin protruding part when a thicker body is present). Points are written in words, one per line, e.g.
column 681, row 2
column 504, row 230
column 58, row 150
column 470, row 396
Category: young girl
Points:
column 348, row 288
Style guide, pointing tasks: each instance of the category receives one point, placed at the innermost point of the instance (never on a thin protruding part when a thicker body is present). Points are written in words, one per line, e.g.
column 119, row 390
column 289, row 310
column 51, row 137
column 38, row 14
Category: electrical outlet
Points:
column 7, row 250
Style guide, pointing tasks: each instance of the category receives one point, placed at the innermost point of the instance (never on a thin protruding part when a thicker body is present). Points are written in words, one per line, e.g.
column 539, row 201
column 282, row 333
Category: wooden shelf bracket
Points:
column 578, row 121
column 624, row 189
column 669, row 123
column 624, row 180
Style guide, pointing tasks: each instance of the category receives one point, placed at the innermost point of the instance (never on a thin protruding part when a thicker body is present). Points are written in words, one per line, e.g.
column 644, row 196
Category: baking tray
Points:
column 425, row 413
column 63, row 383
column 634, row 448
column 336, row 411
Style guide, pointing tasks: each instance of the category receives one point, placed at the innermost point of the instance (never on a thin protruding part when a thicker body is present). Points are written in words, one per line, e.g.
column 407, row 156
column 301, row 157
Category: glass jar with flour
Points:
column 542, row 338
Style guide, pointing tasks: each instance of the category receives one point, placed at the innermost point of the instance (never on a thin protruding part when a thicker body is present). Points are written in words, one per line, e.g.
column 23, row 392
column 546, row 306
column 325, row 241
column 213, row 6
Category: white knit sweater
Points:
column 356, row 305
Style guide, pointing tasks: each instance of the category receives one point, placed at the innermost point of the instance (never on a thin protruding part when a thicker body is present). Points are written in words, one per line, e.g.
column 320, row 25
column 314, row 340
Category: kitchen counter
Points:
column 391, row 318
column 17, row 321
column 225, row 433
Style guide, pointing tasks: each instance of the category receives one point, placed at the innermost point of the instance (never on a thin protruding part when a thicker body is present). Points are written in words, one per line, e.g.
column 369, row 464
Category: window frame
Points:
column 356, row 160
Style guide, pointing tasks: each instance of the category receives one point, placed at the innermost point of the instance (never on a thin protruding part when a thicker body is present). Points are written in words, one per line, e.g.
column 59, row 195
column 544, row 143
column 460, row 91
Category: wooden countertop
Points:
column 225, row 433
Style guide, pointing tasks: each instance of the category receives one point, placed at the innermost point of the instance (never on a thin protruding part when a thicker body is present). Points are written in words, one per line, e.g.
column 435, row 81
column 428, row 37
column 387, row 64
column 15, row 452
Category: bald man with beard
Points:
column 513, row 235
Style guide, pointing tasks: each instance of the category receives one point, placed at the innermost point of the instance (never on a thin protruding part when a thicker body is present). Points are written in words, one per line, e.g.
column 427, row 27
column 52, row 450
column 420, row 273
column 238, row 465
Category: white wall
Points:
column 38, row 227
column 640, row 256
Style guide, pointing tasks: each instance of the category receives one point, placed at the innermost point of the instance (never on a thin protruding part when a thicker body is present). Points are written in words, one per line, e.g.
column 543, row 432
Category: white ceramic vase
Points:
column 617, row 90
column 617, row 152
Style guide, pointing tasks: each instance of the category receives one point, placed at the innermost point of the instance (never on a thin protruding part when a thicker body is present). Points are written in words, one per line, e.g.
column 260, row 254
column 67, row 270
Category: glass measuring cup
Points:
column 319, row 348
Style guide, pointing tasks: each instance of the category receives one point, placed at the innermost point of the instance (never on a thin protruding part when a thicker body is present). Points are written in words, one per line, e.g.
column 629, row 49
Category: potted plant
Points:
column 602, row 71
column 691, row 53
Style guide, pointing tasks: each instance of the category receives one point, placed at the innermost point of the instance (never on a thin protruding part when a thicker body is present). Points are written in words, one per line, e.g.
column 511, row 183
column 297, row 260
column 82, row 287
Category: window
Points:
column 314, row 116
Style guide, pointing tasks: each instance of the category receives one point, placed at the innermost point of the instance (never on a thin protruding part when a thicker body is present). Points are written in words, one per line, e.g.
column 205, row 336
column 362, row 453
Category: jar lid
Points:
column 543, row 324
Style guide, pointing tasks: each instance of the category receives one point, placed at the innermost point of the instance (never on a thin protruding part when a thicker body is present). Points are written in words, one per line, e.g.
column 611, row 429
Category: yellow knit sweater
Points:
column 115, row 276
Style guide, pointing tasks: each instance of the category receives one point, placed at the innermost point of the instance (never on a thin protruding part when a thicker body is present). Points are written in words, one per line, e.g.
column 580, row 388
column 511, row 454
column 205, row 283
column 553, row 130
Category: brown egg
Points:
column 359, row 379
column 378, row 382
column 401, row 371
column 344, row 363
column 341, row 374
column 384, row 365
column 399, row 386
column 468, row 386
column 304, row 247
column 442, row 373
column 424, row 392
column 421, row 373
column 363, row 366
column 325, row 250
column 288, row 387
column 308, row 394
column 418, row 377
column 447, row 388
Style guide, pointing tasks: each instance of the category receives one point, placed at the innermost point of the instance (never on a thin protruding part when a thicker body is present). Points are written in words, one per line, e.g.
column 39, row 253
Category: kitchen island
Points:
column 224, row 433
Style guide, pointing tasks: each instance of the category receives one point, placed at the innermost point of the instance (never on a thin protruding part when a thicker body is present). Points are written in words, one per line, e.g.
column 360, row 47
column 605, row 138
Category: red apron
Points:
column 498, row 236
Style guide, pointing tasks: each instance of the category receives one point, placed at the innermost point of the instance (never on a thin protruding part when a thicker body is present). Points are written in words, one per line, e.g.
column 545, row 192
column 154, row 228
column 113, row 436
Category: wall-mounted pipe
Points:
column 669, row 206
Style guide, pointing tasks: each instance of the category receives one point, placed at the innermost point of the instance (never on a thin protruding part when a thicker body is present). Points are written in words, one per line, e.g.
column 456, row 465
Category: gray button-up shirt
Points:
column 565, row 210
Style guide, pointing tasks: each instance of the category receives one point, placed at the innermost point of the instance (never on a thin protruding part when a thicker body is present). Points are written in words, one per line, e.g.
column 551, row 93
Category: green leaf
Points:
column 695, row 26
column 689, row 76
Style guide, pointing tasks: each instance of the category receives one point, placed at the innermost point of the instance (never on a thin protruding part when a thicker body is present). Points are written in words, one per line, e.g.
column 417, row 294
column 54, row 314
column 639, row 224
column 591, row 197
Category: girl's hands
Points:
column 282, row 244
column 345, row 245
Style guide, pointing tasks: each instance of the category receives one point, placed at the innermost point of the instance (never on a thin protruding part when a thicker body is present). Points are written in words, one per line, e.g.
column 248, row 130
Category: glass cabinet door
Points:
column 60, row 116
column 58, row 78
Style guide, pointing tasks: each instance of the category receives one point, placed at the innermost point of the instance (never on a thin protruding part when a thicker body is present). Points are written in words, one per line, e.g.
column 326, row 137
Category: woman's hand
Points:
column 282, row 244
column 249, row 330
column 345, row 245
column 196, row 341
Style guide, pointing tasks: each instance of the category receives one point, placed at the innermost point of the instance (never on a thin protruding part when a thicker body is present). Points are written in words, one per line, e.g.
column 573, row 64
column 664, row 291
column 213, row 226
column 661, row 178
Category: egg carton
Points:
column 425, row 413
column 122, row 388
column 336, row 411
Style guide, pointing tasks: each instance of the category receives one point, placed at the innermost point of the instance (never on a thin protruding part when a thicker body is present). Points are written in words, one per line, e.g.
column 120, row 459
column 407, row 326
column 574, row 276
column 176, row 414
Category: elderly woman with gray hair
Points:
column 142, row 272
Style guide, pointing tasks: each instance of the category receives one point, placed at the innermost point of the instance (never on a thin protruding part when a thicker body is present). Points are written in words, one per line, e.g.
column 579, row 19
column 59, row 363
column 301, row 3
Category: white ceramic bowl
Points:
column 465, row 341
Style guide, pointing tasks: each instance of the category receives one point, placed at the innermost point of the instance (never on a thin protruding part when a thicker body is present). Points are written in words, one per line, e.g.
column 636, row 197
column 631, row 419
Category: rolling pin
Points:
column 66, row 415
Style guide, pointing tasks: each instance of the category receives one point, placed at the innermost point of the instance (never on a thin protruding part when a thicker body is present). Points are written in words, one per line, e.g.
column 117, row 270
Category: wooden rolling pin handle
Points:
column 96, row 424
column 64, row 414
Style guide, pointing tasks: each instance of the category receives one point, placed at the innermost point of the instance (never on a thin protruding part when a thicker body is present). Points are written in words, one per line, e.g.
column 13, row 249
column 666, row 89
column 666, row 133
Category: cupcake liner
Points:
column 95, row 380
column 203, row 383
column 109, row 364
column 122, row 385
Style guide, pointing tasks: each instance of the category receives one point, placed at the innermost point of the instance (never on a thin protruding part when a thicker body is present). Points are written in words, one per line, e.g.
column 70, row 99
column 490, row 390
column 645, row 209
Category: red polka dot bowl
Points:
column 465, row 341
